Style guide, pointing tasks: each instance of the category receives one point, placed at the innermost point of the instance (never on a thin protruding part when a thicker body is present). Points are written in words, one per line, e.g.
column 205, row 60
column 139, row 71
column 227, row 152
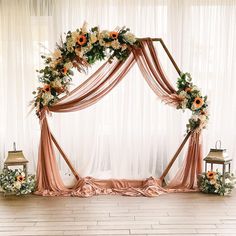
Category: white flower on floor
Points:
column 213, row 181
column 17, row 185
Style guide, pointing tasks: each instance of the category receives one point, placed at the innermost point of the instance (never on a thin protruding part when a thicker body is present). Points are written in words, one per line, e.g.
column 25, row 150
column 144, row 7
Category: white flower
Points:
column 184, row 103
column 93, row 38
column 227, row 181
column 17, row 185
column 202, row 118
column 130, row 38
column 56, row 54
column 54, row 63
column 70, row 48
column 183, row 94
column 115, row 44
column 22, row 174
column 70, row 44
column 47, row 97
column 74, row 36
column 102, row 42
column 213, row 181
column 104, row 34
column 68, row 65
column 217, row 186
column 195, row 88
column 56, row 83
column 56, row 73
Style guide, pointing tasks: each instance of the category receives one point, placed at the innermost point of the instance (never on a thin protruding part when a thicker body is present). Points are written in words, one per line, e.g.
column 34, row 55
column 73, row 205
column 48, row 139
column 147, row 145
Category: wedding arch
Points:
column 81, row 49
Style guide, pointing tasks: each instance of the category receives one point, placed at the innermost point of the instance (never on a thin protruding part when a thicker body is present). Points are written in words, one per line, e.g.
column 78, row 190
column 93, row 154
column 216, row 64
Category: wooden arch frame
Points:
column 165, row 172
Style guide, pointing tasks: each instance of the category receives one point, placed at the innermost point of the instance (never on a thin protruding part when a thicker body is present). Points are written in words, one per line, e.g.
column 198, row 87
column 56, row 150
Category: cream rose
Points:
column 47, row 97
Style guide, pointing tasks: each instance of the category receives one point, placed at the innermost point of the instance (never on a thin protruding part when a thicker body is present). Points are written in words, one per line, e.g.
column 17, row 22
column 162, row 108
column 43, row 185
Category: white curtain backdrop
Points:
column 129, row 133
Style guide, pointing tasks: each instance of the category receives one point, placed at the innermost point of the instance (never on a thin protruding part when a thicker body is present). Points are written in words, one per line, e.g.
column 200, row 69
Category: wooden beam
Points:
column 75, row 173
column 165, row 172
column 166, row 50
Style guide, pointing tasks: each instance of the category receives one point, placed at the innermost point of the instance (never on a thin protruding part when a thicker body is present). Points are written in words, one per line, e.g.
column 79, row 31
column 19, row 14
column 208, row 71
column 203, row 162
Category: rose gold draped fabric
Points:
column 91, row 91
column 186, row 177
column 48, row 176
column 152, row 72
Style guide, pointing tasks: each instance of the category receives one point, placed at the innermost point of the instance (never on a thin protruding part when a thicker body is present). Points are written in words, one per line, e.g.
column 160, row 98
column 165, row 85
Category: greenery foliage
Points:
column 15, row 181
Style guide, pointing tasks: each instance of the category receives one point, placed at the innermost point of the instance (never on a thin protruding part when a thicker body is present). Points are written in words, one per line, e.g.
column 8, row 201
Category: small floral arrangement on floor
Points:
column 80, row 49
column 14, row 181
column 212, row 182
column 193, row 100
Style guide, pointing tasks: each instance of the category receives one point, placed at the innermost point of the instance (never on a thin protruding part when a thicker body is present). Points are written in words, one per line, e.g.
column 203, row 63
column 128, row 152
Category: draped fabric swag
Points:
column 91, row 91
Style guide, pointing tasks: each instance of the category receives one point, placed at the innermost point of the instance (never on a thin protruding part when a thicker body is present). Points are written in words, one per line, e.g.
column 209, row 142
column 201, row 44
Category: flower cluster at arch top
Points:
column 83, row 48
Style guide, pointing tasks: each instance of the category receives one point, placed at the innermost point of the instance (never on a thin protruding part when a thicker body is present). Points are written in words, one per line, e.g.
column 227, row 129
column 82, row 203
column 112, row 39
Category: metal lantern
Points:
column 217, row 153
column 218, row 156
column 16, row 158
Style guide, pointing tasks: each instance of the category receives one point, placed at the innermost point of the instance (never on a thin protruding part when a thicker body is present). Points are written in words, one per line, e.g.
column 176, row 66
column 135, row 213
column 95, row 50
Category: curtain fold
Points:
column 91, row 91
column 186, row 177
column 48, row 176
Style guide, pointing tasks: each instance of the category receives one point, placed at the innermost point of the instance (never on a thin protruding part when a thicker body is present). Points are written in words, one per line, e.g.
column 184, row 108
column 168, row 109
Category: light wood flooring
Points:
column 170, row 214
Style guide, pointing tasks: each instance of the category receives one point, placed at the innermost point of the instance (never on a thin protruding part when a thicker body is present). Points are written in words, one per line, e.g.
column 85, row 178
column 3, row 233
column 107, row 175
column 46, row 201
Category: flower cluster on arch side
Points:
column 80, row 49
column 192, row 99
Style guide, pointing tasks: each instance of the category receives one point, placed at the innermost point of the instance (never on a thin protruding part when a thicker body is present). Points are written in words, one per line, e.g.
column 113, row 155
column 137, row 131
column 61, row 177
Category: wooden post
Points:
column 165, row 172
column 75, row 173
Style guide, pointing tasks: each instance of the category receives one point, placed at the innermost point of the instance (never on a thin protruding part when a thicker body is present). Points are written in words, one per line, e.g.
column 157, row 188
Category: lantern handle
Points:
column 218, row 141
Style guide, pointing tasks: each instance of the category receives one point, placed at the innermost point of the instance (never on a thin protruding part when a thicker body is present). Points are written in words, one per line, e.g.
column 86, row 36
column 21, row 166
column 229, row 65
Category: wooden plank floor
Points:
column 170, row 214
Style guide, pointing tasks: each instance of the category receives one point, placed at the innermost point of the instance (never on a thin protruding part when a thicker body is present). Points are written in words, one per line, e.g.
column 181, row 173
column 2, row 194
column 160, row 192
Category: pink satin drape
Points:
column 91, row 91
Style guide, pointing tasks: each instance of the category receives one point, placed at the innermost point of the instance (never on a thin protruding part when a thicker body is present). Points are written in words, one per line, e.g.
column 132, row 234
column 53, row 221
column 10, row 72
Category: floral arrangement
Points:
column 212, row 182
column 80, row 49
column 14, row 181
column 192, row 99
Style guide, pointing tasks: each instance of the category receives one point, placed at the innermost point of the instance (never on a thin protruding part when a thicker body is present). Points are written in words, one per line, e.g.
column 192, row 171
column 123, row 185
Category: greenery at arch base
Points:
column 16, row 182
column 83, row 47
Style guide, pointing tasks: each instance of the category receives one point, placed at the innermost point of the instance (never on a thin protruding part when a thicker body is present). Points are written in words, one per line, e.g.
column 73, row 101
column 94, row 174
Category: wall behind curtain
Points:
column 129, row 133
